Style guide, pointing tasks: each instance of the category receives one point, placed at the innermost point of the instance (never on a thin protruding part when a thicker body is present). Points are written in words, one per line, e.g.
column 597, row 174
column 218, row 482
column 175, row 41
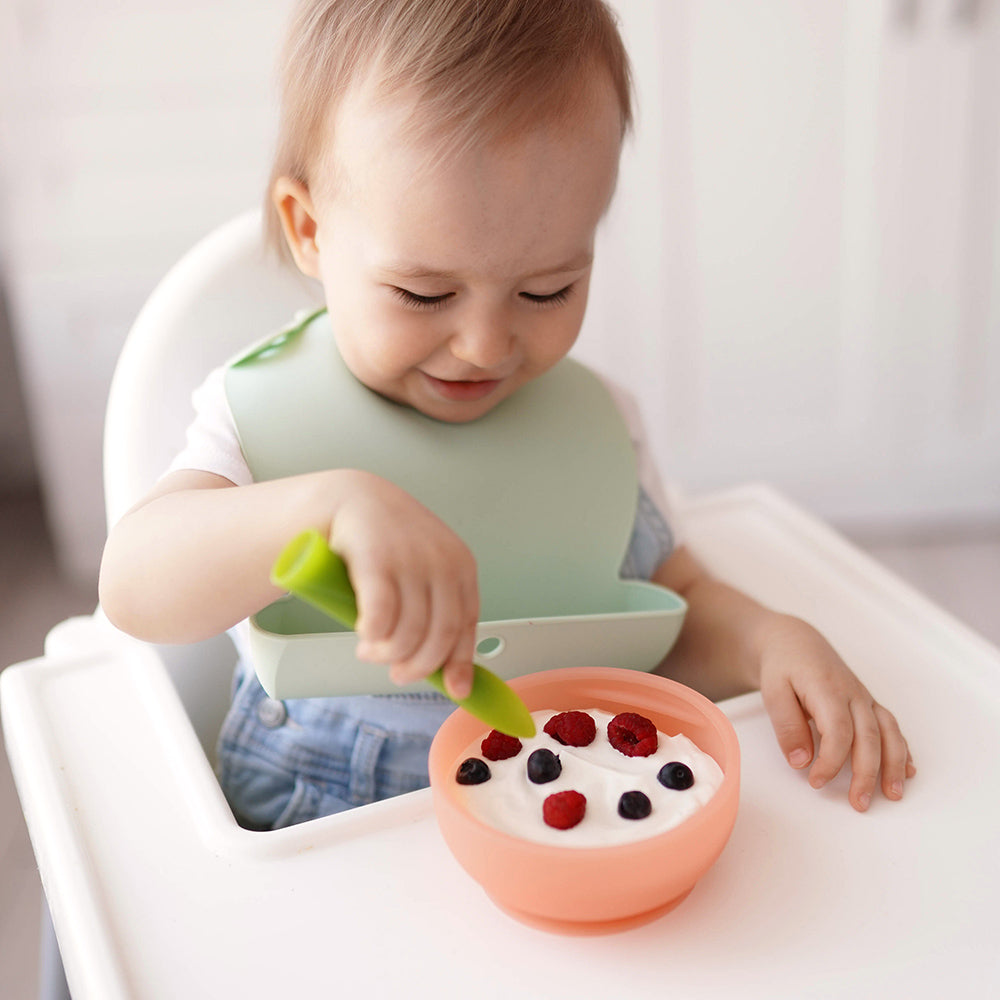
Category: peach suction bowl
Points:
column 582, row 890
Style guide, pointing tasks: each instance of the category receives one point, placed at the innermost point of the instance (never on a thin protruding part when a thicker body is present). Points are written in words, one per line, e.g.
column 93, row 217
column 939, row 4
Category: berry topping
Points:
column 497, row 746
column 572, row 729
column 632, row 734
column 675, row 775
column 634, row 805
column 543, row 766
column 473, row 771
column 564, row 809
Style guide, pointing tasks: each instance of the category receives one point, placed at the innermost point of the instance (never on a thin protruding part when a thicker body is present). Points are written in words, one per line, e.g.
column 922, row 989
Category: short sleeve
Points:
column 212, row 444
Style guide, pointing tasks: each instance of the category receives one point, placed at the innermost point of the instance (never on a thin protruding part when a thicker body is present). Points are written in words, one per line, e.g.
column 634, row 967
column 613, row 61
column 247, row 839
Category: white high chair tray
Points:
column 808, row 900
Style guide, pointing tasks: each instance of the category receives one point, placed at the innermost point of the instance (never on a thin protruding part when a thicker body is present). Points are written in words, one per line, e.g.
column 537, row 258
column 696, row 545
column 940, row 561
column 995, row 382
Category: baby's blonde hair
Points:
column 480, row 70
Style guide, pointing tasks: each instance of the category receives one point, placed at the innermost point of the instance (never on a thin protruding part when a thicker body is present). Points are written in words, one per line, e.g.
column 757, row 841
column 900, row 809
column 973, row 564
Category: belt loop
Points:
column 364, row 759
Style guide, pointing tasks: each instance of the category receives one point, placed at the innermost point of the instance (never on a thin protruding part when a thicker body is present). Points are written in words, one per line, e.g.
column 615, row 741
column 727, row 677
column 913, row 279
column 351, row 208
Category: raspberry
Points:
column 634, row 805
column 564, row 809
column 543, row 766
column 473, row 771
column 675, row 775
column 632, row 734
column 497, row 746
column 572, row 729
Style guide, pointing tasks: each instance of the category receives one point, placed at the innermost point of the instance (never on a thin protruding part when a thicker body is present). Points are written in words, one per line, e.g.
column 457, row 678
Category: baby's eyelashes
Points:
column 552, row 299
column 417, row 301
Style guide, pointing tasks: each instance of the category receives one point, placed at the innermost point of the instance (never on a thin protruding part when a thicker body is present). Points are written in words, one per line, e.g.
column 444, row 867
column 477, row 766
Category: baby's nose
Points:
column 485, row 344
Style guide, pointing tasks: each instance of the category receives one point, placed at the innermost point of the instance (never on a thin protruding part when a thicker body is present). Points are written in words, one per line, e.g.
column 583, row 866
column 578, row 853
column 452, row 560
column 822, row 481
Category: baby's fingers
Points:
column 836, row 739
column 448, row 639
column 439, row 638
column 866, row 755
column 897, row 764
column 458, row 671
column 379, row 602
column 410, row 632
column 790, row 724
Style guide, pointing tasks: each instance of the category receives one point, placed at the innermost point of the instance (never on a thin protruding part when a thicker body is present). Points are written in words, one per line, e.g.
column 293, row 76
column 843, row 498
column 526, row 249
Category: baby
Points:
column 442, row 169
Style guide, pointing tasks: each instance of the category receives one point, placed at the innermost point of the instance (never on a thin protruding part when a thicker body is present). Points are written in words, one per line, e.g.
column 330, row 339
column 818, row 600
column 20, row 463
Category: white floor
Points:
column 961, row 573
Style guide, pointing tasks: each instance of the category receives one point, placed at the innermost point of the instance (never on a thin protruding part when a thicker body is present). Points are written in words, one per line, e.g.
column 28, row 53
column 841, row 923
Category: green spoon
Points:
column 309, row 569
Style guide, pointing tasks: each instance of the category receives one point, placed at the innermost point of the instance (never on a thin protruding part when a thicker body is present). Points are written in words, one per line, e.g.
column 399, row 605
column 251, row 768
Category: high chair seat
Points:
column 155, row 892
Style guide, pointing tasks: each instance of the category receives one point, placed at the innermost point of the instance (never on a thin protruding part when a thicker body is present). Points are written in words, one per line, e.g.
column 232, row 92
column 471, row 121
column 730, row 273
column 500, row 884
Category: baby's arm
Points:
column 194, row 558
column 730, row 644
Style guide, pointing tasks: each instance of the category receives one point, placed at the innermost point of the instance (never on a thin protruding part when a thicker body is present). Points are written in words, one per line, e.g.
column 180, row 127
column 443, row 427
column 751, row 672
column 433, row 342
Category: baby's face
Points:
column 451, row 285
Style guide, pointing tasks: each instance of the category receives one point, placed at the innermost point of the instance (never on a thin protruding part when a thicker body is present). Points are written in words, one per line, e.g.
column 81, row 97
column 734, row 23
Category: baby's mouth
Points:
column 463, row 390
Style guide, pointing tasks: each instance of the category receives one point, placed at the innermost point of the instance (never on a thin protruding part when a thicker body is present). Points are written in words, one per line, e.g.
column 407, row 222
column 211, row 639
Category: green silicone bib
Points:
column 543, row 490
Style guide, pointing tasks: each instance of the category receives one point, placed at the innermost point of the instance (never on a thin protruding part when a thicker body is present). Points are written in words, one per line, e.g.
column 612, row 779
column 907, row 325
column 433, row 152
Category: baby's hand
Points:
column 415, row 583
column 803, row 678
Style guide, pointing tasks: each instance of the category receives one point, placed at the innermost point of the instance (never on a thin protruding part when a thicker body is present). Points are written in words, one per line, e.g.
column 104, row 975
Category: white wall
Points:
column 128, row 129
column 800, row 276
column 810, row 226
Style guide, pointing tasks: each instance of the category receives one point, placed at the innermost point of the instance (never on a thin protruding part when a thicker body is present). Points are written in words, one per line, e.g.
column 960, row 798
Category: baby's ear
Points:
column 298, row 221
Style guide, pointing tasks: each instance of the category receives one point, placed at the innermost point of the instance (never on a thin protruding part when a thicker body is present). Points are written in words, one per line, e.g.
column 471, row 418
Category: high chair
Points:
column 155, row 892
column 223, row 294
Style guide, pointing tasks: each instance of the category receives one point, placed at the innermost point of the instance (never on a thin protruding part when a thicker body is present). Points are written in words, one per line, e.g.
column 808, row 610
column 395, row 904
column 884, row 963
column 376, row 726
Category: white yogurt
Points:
column 512, row 803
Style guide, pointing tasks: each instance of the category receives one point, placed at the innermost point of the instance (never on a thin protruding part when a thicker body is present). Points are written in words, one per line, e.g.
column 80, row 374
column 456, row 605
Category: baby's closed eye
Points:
column 421, row 301
column 552, row 299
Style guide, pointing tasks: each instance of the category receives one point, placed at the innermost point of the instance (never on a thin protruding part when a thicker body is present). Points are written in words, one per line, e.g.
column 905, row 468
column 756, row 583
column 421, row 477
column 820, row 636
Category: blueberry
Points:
column 675, row 775
column 473, row 772
column 543, row 766
column 634, row 805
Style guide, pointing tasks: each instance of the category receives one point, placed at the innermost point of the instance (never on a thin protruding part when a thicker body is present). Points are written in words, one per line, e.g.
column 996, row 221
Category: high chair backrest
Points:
column 222, row 294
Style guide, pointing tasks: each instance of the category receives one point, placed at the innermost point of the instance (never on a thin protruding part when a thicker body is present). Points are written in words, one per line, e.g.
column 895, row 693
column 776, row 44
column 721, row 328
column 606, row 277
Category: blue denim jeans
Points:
column 283, row 762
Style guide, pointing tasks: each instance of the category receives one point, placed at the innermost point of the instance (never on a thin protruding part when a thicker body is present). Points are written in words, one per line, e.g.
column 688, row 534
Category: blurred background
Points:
column 800, row 276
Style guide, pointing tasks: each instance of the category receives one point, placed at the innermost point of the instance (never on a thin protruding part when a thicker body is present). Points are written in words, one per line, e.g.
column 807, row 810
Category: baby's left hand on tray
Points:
column 802, row 678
